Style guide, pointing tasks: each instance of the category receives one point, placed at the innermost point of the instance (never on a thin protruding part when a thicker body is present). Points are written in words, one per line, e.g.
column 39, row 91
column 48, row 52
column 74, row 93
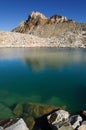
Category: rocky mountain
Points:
column 39, row 25
column 40, row 31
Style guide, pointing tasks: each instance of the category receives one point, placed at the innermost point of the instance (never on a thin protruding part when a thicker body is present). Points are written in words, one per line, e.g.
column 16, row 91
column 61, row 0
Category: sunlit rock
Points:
column 19, row 125
column 82, row 127
column 58, row 118
column 75, row 121
column 35, row 15
column 13, row 124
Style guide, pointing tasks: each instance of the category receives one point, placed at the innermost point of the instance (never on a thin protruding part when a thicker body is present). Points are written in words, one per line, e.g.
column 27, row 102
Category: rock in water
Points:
column 32, row 111
column 58, row 118
column 19, row 125
column 5, row 112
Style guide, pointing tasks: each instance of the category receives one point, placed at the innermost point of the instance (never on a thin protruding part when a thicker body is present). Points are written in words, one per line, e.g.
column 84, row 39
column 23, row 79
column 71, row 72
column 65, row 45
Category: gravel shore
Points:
column 69, row 39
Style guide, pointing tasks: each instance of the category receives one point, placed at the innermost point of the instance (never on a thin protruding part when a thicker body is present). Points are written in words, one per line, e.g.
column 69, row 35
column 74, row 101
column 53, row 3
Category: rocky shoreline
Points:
column 69, row 39
column 28, row 116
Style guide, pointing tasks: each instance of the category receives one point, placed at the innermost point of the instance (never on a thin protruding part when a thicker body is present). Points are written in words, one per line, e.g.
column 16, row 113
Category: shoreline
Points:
column 18, row 40
column 34, row 115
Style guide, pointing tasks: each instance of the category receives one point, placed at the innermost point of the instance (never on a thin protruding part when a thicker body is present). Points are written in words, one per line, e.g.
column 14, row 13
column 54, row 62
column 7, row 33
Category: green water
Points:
column 45, row 75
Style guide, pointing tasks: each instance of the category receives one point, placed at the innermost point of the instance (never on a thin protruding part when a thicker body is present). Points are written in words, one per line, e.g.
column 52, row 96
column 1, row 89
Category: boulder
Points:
column 1, row 128
column 5, row 111
column 75, row 121
column 30, row 121
column 82, row 127
column 13, row 124
column 58, row 118
column 66, row 128
column 84, row 122
column 19, row 125
column 18, row 110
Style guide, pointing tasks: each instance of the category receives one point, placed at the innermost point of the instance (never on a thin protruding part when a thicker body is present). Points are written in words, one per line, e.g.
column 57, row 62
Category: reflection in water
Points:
column 44, row 75
column 40, row 58
column 53, row 58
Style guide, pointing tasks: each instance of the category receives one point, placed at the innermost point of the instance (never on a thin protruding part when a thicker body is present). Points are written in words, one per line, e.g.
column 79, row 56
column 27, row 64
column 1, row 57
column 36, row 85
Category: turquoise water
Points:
column 45, row 75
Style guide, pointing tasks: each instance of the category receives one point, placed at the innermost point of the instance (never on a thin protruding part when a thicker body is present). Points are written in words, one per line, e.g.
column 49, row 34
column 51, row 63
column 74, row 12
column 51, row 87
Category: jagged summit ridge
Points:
column 38, row 20
column 35, row 15
column 57, row 19
column 56, row 26
column 40, row 31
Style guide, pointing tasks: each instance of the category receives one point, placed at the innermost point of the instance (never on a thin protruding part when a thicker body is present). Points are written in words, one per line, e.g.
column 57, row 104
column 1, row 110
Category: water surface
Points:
column 45, row 75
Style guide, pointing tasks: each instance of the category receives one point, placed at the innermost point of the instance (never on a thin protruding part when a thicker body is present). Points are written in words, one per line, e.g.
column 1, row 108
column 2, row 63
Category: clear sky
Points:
column 12, row 12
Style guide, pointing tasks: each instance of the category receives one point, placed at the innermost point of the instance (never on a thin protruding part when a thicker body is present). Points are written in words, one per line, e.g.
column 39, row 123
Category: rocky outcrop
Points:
column 57, row 19
column 36, row 15
column 39, row 25
column 34, row 19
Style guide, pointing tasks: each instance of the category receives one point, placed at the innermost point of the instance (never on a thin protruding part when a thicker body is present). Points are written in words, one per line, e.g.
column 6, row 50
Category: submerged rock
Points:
column 5, row 112
column 30, row 121
column 33, row 110
column 18, row 110
column 30, row 112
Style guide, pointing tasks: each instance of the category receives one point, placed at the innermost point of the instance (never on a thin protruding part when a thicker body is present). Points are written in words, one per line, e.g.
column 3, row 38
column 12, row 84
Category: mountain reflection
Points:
column 41, row 58
column 52, row 58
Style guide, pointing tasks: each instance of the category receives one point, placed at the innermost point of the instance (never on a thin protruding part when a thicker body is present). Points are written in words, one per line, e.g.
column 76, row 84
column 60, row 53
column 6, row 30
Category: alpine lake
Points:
column 51, row 76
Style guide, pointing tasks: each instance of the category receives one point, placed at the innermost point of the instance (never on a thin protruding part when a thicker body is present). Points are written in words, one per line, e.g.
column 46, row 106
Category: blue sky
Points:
column 12, row 12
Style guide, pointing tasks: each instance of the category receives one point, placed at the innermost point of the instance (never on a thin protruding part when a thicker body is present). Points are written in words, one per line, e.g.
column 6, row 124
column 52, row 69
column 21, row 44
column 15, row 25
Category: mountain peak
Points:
column 35, row 15
column 40, row 25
